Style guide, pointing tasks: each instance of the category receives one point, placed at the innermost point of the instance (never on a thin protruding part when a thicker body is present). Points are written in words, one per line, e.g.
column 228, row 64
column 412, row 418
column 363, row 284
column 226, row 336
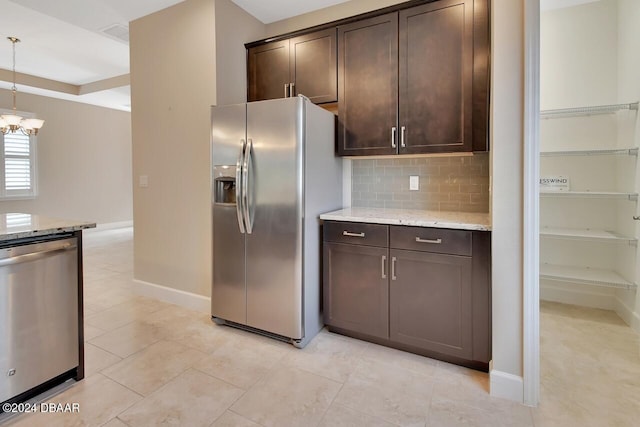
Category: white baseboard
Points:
column 624, row 311
column 506, row 386
column 109, row 226
column 174, row 296
column 578, row 297
column 627, row 314
column 635, row 322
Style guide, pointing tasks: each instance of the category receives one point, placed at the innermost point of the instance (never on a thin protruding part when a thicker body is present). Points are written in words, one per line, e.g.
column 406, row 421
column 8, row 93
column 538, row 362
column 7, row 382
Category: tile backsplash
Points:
column 446, row 183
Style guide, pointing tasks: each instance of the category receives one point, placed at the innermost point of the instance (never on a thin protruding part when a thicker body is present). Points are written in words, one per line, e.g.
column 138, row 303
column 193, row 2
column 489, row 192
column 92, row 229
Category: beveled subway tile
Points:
column 393, row 204
column 450, row 206
column 460, row 197
column 191, row 399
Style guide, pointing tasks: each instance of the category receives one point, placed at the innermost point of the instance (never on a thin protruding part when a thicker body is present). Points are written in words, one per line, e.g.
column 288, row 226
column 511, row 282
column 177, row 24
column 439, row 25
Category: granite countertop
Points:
column 411, row 217
column 20, row 225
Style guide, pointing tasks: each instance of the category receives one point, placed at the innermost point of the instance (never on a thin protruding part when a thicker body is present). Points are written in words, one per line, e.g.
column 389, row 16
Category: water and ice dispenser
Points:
column 224, row 184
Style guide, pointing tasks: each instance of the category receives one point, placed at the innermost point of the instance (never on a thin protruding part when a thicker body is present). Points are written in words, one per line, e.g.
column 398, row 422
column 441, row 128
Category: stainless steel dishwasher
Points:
column 38, row 313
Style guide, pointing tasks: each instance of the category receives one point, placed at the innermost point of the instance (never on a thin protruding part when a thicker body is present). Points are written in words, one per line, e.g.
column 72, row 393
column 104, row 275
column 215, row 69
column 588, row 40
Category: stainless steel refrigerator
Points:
column 274, row 172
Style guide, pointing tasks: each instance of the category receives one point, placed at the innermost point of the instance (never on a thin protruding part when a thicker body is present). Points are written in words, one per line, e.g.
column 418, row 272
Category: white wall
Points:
column 234, row 27
column 84, row 161
column 507, row 196
column 629, row 91
column 174, row 81
column 579, row 67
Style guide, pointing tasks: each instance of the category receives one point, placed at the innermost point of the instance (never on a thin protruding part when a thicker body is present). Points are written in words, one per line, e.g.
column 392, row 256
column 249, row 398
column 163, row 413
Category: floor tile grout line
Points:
column 324, row 414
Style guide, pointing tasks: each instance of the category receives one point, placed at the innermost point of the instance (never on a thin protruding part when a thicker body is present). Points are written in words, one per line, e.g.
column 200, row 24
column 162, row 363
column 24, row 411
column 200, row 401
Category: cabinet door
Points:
column 356, row 288
column 436, row 64
column 314, row 66
column 430, row 302
column 368, row 86
column 268, row 69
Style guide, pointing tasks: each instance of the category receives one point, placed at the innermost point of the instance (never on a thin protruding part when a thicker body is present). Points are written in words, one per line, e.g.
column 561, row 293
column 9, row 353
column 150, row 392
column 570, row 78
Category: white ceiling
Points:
column 62, row 40
column 275, row 10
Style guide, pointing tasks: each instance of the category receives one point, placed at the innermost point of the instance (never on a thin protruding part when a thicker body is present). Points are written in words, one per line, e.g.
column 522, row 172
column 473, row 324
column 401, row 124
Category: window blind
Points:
column 18, row 165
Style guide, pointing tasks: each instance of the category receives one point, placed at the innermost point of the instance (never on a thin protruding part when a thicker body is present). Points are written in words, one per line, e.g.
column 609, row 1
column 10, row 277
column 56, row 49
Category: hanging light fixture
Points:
column 14, row 122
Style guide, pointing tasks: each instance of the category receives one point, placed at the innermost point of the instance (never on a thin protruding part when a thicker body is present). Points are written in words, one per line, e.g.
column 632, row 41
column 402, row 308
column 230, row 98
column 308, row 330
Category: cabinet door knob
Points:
column 393, row 137
column 636, row 217
column 393, row 268
column 286, row 90
column 402, row 137
column 292, row 89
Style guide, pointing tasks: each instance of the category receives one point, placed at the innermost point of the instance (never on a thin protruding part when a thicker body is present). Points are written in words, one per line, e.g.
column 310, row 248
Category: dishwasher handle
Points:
column 33, row 256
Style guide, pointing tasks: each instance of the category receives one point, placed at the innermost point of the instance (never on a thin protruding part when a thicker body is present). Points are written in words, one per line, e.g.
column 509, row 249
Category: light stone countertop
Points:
column 20, row 225
column 411, row 217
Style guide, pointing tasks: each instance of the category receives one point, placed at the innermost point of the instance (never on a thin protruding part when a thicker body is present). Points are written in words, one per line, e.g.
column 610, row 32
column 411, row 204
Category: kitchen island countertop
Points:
column 413, row 217
column 20, row 225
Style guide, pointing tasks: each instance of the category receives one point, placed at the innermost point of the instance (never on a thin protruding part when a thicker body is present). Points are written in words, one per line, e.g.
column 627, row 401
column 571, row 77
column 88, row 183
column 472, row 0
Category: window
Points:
column 17, row 166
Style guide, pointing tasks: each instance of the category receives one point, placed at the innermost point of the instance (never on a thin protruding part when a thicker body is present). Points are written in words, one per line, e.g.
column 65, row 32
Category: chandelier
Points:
column 13, row 122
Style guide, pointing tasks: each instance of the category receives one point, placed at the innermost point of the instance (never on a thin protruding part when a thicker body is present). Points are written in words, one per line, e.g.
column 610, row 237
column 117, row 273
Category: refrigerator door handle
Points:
column 246, row 167
column 239, row 165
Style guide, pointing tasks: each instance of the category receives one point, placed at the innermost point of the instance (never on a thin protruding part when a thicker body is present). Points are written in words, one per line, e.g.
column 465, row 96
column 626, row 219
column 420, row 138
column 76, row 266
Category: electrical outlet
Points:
column 414, row 183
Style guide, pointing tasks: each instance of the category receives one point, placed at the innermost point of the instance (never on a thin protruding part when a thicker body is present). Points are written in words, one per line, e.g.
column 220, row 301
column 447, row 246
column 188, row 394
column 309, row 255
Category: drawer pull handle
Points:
column 346, row 233
column 436, row 241
column 384, row 264
column 393, row 268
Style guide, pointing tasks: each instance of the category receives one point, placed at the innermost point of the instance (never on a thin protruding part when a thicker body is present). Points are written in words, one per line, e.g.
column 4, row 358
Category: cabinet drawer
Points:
column 438, row 240
column 356, row 233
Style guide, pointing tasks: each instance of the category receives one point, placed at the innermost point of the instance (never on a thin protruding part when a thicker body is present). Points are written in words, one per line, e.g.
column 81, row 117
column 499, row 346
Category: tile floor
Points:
column 151, row 363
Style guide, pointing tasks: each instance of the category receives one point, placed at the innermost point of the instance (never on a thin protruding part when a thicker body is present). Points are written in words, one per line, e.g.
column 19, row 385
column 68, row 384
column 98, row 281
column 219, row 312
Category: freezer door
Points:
column 274, row 247
column 228, row 131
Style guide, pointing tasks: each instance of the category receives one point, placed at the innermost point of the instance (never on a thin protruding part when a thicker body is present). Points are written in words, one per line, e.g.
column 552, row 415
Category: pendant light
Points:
column 13, row 122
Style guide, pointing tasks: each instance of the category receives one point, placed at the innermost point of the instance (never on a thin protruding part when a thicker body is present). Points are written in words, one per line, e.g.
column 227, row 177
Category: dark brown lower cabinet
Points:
column 430, row 302
column 358, row 296
column 423, row 290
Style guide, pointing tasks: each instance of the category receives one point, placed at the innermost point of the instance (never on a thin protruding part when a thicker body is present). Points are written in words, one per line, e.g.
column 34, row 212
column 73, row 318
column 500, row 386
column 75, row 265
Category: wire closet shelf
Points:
column 588, row 111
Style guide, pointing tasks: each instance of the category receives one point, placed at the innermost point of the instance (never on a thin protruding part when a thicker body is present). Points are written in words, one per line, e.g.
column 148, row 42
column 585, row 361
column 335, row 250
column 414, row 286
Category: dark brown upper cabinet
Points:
column 268, row 69
column 405, row 81
column 436, row 61
column 368, row 86
column 303, row 65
